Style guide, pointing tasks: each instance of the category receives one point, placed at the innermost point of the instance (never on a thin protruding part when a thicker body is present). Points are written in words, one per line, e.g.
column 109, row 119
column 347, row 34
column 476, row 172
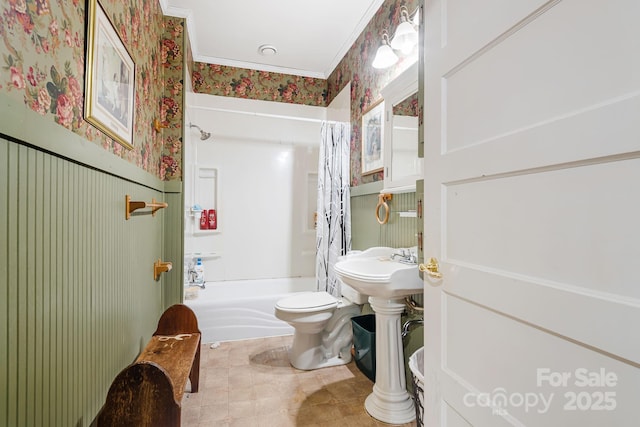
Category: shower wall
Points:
column 259, row 171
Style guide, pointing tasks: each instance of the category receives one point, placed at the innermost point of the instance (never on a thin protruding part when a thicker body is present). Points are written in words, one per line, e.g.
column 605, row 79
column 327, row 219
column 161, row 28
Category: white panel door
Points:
column 532, row 190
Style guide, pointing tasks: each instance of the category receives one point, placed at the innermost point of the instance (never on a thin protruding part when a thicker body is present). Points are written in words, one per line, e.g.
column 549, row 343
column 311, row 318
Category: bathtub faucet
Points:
column 192, row 276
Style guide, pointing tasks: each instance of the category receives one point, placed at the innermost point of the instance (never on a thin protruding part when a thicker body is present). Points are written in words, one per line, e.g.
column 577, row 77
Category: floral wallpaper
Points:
column 190, row 63
column 367, row 81
column 222, row 80
column 171, row 112
column 43, row 64
column 408, row 107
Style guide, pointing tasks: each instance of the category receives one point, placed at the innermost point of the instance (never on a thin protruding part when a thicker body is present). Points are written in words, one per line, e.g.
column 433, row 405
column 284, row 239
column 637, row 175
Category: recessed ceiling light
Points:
column 267, row 50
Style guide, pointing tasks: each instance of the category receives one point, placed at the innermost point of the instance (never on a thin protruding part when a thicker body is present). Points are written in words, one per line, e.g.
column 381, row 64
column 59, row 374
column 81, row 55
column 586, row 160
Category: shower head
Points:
column 203, row 135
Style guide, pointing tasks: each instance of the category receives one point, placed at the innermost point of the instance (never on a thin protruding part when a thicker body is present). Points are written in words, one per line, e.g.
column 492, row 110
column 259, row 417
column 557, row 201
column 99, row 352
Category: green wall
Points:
column 77, row 296
column 398, row 232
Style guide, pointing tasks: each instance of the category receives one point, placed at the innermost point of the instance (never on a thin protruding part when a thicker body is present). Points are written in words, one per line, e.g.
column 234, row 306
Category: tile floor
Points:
column 250, row 383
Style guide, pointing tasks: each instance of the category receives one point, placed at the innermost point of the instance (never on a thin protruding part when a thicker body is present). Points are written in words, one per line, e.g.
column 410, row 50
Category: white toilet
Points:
column 322, row 324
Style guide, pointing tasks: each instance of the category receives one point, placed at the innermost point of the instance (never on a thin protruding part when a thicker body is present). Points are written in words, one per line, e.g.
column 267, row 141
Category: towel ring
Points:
column 382, row 202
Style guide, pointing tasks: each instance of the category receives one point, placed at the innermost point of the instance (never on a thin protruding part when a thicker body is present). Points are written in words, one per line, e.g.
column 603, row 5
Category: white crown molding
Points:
column 256, row 66
column 187, row 14
column 366, row 18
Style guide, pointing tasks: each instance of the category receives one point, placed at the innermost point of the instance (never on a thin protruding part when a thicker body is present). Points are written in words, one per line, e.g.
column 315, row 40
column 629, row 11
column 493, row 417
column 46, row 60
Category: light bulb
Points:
column 405, row 39
column 385, row 57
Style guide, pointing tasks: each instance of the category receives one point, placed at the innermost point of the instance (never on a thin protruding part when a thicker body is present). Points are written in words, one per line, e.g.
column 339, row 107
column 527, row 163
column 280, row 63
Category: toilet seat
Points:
column 306, row 302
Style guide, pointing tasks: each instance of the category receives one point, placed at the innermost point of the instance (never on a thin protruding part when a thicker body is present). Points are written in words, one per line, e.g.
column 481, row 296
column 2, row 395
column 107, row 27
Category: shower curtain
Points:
column 333, row 234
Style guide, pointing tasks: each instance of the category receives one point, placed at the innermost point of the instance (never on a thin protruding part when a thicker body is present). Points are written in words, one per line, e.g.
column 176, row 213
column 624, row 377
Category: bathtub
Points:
column 244, row 309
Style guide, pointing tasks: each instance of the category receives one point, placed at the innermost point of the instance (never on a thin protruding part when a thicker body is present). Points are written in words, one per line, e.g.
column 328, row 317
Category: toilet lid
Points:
column 307, row 301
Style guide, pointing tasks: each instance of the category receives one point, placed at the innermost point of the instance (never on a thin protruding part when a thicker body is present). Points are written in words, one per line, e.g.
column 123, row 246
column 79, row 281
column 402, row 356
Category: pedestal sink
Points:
column 387, row 281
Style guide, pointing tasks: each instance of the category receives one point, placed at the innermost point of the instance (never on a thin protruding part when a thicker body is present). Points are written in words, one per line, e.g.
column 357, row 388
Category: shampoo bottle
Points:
column 199, row 268
column 212, row 223
column 204, row 220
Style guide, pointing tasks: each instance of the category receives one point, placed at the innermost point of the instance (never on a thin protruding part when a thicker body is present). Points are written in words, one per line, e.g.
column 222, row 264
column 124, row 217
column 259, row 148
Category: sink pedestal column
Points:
column 389, row 402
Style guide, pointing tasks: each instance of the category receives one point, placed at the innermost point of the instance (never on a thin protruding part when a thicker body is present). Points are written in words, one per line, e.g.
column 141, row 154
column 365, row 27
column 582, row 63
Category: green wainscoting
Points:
column 173, row 282
column 77, row 296
column 399, row 232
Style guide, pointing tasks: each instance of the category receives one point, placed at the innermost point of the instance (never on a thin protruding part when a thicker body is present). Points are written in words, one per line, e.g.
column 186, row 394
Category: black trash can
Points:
column 364, row 343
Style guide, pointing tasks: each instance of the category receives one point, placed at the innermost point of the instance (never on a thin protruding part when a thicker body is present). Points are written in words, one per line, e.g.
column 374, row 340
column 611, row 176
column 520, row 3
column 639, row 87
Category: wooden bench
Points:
column 149, row 391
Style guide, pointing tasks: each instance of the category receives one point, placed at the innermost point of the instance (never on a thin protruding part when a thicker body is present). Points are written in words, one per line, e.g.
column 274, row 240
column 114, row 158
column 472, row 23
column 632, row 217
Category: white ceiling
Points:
column 311, row 36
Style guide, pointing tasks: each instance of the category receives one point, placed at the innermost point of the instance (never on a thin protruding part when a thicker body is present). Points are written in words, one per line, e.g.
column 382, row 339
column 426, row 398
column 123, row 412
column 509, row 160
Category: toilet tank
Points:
column 352, row 295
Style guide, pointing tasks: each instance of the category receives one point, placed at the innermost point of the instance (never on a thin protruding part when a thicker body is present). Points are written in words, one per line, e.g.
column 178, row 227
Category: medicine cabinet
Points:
column 402, row 166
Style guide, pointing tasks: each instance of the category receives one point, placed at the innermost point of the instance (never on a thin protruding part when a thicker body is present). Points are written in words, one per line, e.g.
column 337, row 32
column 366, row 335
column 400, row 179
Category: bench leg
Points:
column 141, row 395
column 194, row 375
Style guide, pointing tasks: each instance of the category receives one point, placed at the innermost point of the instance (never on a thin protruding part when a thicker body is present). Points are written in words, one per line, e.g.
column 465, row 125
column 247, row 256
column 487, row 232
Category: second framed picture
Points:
column 372, row 139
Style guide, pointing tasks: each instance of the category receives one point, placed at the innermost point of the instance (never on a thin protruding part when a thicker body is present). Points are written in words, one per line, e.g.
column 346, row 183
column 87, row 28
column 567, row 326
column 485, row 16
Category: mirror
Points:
column 402, row 164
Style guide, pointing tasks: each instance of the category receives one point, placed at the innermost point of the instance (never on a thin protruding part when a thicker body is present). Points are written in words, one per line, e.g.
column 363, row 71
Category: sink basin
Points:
column 374, row 273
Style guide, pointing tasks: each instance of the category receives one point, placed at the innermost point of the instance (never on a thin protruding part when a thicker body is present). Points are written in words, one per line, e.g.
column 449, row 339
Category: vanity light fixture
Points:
column 406, row 35
column 416, row 18
column 404, row 40
column 385, row 56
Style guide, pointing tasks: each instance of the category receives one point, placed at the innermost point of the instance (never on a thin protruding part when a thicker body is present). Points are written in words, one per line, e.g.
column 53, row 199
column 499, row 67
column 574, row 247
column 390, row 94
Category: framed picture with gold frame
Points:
column 110, row 79
column 372, row 138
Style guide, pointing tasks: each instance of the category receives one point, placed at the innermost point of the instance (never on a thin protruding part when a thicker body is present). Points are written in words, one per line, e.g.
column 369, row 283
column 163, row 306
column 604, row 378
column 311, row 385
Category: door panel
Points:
column 532, row 165
column 488, row 18
column 507, row 356
column 453, row 419
column 517, row 69
column 551, row 211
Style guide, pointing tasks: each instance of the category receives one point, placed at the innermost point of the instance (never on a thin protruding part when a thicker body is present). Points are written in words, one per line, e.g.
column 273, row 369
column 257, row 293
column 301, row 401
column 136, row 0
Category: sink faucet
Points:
column 405, row 256
column 402, row 253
